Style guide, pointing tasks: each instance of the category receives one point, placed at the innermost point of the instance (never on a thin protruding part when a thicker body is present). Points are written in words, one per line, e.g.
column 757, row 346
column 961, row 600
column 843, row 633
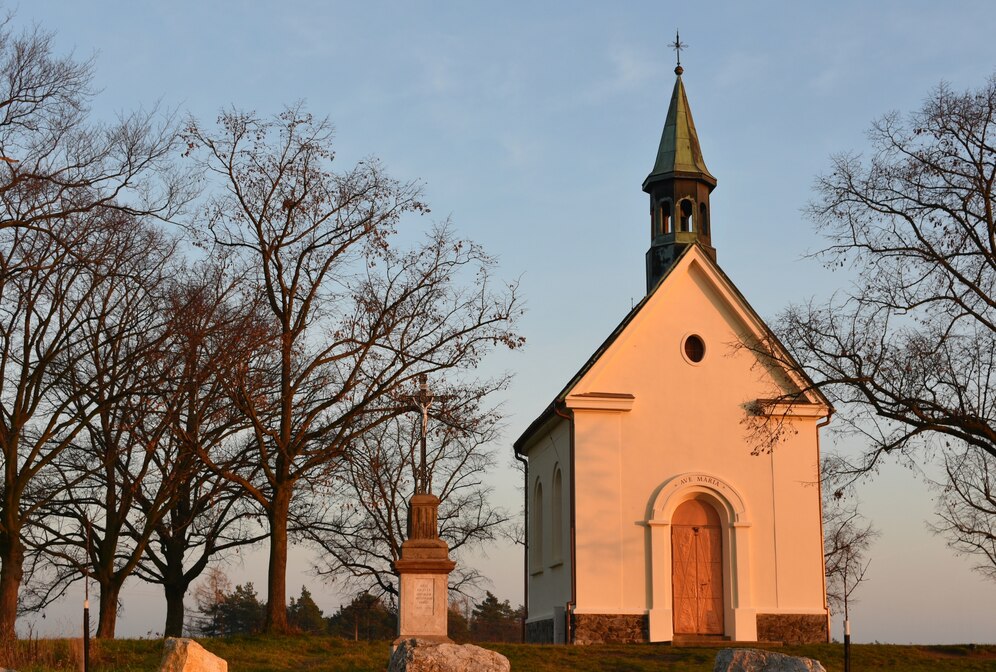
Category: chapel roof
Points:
column 704, row 258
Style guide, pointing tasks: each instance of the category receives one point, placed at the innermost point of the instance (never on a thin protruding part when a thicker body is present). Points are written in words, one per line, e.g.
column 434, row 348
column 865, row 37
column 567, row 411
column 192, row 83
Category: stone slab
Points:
column 185, row 655
column 421, row 655
column 758, row 660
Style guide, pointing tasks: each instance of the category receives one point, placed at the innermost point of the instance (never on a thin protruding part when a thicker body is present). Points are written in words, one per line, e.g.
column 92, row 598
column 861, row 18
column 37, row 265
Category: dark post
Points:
column 86, row 635
column 86, row 604
column 422, row 401
column 847, row 645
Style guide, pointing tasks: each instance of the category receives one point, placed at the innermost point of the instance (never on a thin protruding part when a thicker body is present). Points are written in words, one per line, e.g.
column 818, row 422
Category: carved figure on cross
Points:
column 422, row 401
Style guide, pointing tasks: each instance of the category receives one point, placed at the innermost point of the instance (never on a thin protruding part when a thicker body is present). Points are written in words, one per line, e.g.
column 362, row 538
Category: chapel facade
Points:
column 651, row 515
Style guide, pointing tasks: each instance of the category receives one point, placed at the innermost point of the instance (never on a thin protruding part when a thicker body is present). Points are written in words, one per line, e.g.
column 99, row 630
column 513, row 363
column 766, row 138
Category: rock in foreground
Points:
column 186, row 655
column 758, row 660
column 420, row 655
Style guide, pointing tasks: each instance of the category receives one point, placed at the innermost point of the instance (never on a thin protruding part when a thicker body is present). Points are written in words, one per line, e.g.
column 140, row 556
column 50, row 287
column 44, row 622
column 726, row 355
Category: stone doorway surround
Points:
column 740, row 617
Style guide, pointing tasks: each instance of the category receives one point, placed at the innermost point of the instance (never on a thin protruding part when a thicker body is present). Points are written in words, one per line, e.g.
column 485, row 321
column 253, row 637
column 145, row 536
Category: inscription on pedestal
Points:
column 424, row 597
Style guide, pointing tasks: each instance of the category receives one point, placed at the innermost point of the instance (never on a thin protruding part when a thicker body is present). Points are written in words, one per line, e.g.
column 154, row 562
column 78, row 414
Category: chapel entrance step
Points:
column 717, row 641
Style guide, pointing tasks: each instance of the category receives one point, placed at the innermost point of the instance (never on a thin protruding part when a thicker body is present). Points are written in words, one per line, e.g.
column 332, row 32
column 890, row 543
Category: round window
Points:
column 694, row 348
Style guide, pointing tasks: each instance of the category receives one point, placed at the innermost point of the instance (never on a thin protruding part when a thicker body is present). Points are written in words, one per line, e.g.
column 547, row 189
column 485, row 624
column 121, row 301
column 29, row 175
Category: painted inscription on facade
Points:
column 698, row 479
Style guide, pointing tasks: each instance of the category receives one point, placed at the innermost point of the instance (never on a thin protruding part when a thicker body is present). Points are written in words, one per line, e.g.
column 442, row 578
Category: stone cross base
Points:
column 424, row 568
column 424, row 603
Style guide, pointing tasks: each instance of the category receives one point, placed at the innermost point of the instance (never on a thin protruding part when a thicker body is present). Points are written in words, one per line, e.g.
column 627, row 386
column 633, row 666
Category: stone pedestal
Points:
column 424, row 569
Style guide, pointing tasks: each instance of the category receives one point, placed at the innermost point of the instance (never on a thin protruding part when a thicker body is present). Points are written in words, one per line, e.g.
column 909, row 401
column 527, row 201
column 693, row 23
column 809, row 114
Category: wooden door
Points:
column 697, row 569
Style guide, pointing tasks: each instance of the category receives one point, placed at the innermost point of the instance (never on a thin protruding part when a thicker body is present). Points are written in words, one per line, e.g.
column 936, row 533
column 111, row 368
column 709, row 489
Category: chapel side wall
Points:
column 793, row 608
column 604, row 538
column 798, row 528
column 598, row 525
column 549, row 580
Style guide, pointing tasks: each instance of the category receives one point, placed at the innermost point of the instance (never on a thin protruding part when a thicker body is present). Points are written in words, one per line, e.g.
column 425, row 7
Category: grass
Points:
column 328, row 654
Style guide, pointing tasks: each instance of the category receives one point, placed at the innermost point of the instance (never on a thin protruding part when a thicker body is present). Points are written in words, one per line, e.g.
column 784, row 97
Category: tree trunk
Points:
column 174, row 609
column 11, row 572
column 108, row 610
column 276, row 588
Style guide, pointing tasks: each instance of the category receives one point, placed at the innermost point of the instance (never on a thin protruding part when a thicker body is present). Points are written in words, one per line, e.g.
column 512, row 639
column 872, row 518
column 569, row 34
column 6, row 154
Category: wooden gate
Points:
column 697, row 569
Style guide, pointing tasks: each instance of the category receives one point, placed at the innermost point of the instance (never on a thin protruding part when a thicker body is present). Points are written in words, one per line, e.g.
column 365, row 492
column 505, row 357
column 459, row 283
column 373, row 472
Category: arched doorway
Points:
column 697, row 569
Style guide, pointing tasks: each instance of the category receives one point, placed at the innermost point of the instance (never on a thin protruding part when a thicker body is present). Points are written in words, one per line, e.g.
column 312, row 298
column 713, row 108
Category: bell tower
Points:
column 679, row 186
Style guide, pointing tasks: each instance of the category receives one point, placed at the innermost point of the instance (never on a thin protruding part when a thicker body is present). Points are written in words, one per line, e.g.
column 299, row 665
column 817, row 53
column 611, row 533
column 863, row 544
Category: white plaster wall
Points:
column 601, row 532
column 549, row 584
column 798, row 530
column 689, row 418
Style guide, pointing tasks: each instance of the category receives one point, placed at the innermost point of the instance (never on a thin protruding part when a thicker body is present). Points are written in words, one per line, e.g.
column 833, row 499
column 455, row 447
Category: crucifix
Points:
column 422, row 401
column 424, row 566
column 678, row 45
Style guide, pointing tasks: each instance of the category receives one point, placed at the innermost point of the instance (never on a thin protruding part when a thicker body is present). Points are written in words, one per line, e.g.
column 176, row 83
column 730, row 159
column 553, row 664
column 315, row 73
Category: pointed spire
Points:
column 679, row 186
column 679, row 154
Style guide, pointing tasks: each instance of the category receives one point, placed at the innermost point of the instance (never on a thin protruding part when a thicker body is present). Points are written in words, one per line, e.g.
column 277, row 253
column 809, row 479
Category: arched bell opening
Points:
column 687, row 217
column 660, row 217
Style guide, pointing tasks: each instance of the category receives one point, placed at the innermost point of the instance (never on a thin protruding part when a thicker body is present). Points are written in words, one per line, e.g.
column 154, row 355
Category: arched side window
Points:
column 703, row 220
column 687, row 216
column 557, row 509
column 536, row 530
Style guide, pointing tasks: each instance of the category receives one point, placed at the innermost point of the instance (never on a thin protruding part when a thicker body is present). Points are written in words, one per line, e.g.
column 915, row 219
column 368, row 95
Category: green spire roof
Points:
column 679, row 154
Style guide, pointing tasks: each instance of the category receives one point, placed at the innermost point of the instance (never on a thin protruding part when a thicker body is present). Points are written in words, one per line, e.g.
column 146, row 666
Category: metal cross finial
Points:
column 678, row 45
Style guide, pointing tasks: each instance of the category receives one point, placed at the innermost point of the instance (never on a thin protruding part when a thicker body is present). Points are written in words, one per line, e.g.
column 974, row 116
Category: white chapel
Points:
column 650, row 514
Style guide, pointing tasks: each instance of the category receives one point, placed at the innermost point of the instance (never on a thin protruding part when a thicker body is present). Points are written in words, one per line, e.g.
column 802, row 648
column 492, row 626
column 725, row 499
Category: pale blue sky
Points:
column 533, row 126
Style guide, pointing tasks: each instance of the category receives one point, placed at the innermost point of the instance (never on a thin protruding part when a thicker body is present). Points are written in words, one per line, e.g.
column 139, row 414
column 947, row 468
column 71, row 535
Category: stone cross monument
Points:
column 424, row 565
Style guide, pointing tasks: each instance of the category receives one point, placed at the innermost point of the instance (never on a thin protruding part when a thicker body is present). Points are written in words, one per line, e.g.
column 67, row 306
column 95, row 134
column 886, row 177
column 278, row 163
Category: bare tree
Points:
column 847, row 539
column 355, row 322
column 65, row 183
column 44, row 342
column 209, row 595
column 967, row 507
column 211, row 331
column 359, row 517
column 906, row 355
column 57, row 162
column 86, row 529
column 160, row 344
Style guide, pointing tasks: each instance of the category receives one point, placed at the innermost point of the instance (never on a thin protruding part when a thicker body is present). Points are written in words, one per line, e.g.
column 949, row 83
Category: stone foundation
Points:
column 792, row 628
column 609, row 628
column 540, row 632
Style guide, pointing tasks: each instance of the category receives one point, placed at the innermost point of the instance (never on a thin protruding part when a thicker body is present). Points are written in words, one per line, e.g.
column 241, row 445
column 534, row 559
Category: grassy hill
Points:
column 327, row 654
